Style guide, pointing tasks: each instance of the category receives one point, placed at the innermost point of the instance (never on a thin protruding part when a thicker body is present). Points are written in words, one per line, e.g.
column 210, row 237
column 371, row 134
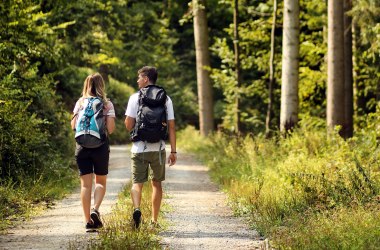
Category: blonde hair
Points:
column 94, row 87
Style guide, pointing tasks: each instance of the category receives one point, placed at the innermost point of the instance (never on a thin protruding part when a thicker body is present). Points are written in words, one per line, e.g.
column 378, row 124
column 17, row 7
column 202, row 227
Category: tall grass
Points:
column 303, row 190
column 118, row 231
column 31, row 194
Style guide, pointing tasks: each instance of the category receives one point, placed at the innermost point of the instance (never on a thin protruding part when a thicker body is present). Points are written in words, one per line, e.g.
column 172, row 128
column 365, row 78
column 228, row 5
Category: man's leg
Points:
column 85, row 194
column 136, row 199
column 156, row 199
column 100, row 190
column 136, row 192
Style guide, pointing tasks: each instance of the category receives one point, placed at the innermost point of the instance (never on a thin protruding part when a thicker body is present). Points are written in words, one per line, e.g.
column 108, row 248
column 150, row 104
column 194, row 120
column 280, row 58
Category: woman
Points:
column 93, row 161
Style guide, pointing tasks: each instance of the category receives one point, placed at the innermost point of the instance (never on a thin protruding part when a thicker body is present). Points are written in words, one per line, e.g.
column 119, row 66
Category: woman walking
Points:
column 93, row 121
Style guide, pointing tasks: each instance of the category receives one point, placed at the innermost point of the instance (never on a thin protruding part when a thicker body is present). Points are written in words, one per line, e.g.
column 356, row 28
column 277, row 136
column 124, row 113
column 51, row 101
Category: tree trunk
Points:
column 360, row 102
column 271, row 71
column 104, row 72
column 205, row 95
column 348, row 77
column 290, row 64
column 335, row 64
column 237, row 66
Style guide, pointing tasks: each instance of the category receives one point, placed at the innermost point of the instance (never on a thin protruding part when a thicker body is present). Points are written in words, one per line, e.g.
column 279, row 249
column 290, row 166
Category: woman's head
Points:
column 94, row 86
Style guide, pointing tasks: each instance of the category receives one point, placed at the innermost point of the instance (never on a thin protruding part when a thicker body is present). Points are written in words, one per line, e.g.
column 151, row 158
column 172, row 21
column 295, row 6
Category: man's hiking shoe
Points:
column 95, row 217
column 137, row 217
column 90, row 227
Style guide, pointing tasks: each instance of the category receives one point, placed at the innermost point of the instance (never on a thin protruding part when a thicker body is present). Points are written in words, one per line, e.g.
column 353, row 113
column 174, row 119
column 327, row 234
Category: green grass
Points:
column 19, row 200
column 306, row 191
column 118, row 231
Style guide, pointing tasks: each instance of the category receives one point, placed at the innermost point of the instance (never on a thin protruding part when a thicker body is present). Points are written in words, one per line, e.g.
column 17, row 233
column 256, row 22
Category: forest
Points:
column 279, row 98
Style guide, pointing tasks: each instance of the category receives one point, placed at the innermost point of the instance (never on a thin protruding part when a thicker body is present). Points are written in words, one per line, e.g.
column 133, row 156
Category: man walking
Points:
column 150, row 117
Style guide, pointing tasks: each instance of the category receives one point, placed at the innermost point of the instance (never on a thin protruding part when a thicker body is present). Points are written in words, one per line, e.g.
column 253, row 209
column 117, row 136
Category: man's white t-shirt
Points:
column 132, row 109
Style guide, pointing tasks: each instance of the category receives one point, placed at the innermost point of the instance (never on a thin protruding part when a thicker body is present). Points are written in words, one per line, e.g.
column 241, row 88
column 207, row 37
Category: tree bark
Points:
column 237, row 66
column 290, row 66
column 348, row 77
column 335, row 64
column 359, row 99
column 271, row 71
column 205, row 95
column 104, row 72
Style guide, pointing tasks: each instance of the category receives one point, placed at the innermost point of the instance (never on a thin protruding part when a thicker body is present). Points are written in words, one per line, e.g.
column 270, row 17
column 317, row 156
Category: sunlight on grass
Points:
column 118, row 231
column 19, row 201
column 306, row 191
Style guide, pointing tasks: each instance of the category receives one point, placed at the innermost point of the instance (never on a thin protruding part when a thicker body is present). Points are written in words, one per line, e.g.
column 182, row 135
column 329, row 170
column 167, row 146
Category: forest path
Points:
column 201, row 218
column 57, row 227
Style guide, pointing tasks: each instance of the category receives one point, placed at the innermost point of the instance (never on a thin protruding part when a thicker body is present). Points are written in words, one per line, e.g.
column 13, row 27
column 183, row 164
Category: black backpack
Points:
column 151, row 120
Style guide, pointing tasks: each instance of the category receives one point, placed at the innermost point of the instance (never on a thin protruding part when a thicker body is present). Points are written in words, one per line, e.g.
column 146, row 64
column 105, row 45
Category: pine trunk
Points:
column 335, row 64
column 290, row 64
column 348, row 77
column 205, row 95
column 237, row 66
column 271, row 72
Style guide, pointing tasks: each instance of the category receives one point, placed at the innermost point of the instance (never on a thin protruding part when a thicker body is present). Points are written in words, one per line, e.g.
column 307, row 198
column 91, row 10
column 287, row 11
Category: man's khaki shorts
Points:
column 141, row 162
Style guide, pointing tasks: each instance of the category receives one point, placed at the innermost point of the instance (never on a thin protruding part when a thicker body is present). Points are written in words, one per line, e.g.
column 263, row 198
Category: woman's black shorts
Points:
column 93, row 160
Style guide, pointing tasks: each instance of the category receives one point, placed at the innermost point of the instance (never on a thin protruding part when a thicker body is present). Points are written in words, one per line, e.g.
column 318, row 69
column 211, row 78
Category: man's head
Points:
column 147, row 74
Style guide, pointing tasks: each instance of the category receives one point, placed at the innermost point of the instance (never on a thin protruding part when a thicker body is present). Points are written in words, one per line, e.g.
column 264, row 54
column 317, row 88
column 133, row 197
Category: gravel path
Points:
column 201, row 219
column 57, row 227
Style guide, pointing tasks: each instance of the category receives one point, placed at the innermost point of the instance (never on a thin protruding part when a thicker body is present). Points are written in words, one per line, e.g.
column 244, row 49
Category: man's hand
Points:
column 172, row 159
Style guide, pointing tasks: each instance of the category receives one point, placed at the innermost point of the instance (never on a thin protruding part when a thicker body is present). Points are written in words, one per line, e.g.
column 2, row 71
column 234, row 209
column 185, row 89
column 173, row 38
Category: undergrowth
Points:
column 306, row 191
column 27, row 196
column 118, row 231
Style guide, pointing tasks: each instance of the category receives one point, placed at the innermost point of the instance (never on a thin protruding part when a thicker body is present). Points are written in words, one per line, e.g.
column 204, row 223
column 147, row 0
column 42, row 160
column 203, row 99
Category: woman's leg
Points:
column 100, row 190
column 86, row 188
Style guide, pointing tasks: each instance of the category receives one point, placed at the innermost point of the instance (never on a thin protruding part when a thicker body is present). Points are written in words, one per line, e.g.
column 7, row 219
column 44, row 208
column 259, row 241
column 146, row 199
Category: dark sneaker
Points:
column 95, row 217
column 90, row 227
column 137, row 217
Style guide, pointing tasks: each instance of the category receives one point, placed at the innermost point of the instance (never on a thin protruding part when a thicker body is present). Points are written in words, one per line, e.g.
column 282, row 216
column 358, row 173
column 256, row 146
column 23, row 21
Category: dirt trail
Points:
column 57, row 227
column 201, row 218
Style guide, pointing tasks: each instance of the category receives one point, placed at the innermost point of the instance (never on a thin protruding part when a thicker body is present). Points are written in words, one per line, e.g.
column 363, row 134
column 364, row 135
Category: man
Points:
column 148, row 154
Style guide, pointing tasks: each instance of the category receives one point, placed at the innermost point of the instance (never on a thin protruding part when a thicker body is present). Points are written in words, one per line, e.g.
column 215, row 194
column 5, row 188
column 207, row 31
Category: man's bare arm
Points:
column 129, row 123
column 172, row 159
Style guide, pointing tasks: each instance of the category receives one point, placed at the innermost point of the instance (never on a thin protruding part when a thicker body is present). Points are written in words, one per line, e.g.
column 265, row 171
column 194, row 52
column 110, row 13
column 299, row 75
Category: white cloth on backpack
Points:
column 132, row 109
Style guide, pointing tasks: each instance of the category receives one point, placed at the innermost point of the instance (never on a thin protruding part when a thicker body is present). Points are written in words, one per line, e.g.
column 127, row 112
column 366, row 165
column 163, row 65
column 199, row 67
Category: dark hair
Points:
column 150, row 72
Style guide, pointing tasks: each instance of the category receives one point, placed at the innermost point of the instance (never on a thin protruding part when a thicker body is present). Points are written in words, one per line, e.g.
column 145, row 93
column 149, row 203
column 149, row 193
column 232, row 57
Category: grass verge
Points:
column 306, row 191
column 118, row 231
column 19, row 200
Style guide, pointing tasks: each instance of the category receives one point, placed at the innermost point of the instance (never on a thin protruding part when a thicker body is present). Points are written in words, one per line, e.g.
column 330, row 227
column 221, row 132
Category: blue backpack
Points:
column 90, row 128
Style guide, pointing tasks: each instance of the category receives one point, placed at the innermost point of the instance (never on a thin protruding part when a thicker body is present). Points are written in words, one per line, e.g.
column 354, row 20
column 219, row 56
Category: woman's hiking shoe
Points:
column 137, row 217
column 95, row 217
column 90, row 227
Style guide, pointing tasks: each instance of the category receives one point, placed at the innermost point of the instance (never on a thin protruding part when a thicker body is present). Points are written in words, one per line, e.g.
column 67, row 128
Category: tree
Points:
column 335, row 64
column 237, row 65
column 271, row 70
column 205, row 95
column 348, row 77
column 290, row 64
